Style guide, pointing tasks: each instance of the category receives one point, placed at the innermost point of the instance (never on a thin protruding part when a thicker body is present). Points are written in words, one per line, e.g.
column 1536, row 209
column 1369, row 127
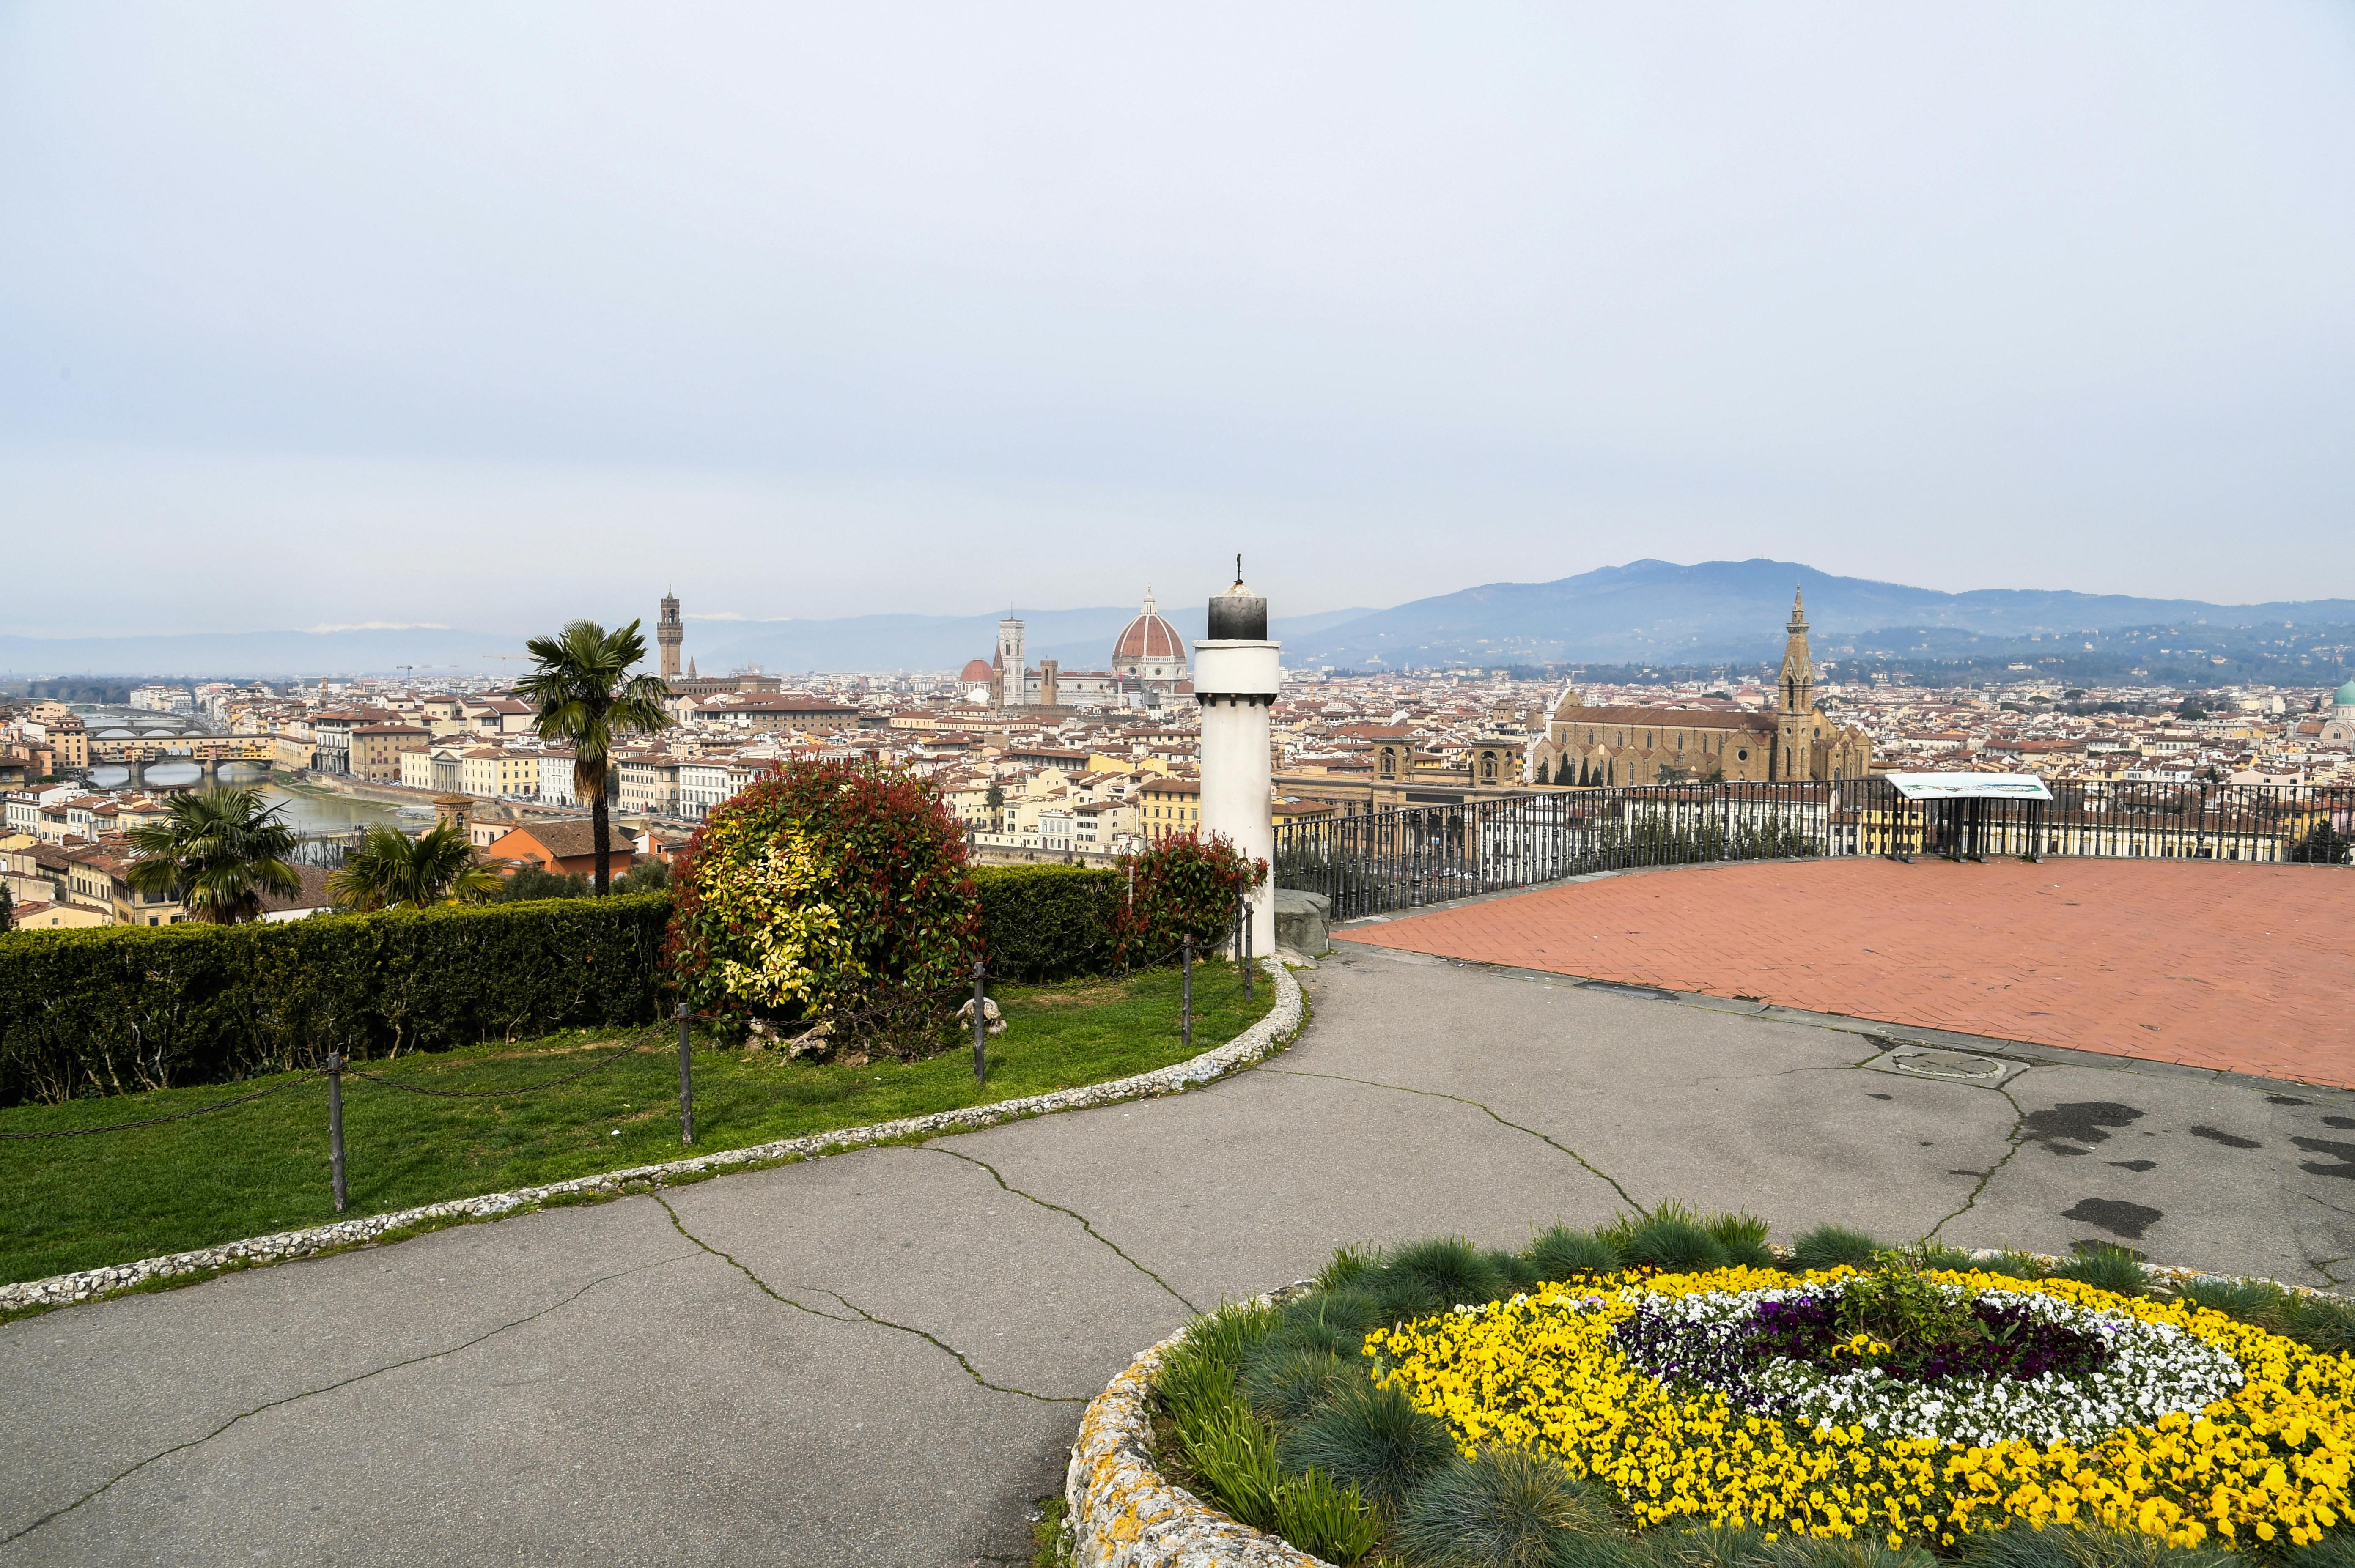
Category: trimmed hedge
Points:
column 123, row 1009
column 1048, row 923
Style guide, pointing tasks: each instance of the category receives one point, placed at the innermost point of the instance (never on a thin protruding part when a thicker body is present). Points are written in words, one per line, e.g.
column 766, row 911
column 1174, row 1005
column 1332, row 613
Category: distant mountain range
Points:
column 1656, row 613
column 1646, row 614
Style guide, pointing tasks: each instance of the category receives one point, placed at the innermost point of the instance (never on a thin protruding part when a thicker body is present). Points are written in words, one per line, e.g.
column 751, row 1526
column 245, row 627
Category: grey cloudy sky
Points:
column 487, row 315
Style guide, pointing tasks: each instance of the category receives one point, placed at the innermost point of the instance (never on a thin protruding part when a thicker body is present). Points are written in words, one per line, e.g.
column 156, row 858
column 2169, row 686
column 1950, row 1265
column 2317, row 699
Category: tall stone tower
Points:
column 1236, row 678
column 669, row 632
column 1012, row 678
column 1795, row 713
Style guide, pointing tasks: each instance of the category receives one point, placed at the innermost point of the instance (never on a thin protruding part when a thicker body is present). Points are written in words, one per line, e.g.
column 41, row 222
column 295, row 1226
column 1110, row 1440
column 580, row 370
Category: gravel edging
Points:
column 1122, row 1514
column 1254, row 1044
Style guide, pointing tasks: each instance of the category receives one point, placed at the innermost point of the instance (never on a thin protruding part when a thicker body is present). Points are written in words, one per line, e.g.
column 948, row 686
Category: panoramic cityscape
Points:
column 1416, row 788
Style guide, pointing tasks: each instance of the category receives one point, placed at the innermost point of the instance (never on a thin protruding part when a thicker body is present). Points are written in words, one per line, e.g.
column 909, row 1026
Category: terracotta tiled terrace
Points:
column 2233, row 967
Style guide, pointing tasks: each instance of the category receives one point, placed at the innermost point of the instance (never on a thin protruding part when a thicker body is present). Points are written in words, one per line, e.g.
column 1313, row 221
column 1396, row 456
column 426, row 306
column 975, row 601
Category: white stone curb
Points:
column 1124, row 1515
column 1259, row 1042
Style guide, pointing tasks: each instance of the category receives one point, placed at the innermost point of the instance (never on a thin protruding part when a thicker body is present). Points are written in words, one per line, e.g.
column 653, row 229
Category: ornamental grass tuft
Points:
column 1234, row 1454
column 1348, row 1265
column 1372, row 1437
column 1564, row 1254
column 2319, row 1322
column 1503, row 1507
column 1829, row 1246
column 2106, row 1267
column 1667, row 1243
column 1426, row 1278
column 1285, row 1382
column 1325, row 1520
column 2092, row 1546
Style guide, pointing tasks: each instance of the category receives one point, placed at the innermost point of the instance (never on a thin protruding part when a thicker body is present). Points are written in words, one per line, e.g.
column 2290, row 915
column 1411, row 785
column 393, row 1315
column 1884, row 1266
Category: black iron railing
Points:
column 1387, row 860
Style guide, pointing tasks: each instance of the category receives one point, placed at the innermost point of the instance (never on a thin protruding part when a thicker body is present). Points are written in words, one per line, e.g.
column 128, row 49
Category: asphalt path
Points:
column 880, row 1358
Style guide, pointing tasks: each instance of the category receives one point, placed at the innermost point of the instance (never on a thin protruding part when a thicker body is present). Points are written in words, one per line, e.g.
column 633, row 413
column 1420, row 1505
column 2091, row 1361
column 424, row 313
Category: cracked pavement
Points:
column 879, row 1358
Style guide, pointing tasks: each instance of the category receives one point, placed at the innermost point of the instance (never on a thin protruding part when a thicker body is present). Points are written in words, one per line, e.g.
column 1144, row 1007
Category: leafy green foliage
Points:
column 121, row 1008
column 1504, row 1507
column 885, row 862
column 1829, row 1246
column 392, row 871
column 216, row 851
column 1179, row 887
column 589, row 700
column 1285, row 1382
column 529, row 882
column 1048, row 923
column 1234, row 1453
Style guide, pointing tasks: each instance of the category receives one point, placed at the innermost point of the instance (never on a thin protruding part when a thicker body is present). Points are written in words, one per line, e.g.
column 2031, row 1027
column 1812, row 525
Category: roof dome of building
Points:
column 977, row 672
column 2345, row 695
column 1148, row 637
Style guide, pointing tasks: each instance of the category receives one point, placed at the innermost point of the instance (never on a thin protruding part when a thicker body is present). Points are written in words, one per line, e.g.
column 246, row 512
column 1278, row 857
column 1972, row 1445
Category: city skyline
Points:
column 472, row 318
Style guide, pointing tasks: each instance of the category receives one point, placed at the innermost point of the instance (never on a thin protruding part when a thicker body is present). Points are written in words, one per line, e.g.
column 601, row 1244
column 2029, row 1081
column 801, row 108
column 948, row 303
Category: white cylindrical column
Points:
column 1236, row 676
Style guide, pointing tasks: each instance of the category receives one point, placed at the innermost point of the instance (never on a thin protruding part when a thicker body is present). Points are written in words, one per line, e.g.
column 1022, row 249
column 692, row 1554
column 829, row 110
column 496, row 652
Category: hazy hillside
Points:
column 1655, row 611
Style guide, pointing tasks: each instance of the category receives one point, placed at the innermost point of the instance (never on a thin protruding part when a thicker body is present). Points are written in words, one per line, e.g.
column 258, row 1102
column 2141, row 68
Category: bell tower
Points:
column 1795, row 712
column 668, row 632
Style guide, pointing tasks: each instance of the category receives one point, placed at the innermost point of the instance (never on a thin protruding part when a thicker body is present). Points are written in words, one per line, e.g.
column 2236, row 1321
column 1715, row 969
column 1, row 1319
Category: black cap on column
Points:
column 1237, row 615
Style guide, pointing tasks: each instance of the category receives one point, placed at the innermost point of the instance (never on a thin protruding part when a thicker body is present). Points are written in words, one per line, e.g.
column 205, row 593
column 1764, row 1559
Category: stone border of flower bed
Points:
column 1256, row 1043
column 1122, row 1513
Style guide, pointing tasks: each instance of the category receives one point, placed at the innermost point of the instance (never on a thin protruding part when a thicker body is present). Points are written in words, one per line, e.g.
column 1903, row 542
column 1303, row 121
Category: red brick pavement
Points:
column 2236, row 966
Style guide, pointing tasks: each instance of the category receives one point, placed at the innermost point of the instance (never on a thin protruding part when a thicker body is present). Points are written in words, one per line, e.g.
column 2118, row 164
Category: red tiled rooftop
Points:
column 2239, row 967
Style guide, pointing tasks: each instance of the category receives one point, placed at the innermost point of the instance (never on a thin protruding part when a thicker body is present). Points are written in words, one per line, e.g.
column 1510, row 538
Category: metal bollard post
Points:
column 1186, row 993
column 980, row 1024
column 336, row 1061
column 684, row 1015
column 1248, row 965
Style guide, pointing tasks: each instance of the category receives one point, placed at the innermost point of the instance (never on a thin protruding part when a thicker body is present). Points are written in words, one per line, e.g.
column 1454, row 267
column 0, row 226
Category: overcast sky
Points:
column 488, row 315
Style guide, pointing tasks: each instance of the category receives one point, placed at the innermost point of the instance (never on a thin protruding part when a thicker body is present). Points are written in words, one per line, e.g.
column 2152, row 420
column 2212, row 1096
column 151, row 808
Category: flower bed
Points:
column 1670, row 1391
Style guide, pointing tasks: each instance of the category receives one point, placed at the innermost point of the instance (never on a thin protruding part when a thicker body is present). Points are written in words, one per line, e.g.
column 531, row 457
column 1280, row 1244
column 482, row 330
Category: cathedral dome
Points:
column 2345, row 695
column 977, row 672
column 1148, row 637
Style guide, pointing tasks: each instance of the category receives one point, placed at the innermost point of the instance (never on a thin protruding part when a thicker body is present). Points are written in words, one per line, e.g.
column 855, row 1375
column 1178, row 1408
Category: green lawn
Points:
column 110, row 1198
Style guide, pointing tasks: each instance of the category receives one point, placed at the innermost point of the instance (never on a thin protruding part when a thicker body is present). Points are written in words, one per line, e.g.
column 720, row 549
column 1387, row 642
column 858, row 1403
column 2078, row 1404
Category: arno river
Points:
column 307, row 810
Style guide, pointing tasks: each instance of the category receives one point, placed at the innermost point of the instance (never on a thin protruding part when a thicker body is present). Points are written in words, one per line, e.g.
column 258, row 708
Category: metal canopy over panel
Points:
column 1969, row 786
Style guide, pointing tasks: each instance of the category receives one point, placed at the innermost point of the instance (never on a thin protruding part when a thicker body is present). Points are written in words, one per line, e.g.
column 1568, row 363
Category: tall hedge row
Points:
column 1048, row 923
column 118, row 1008
column 128, row 1008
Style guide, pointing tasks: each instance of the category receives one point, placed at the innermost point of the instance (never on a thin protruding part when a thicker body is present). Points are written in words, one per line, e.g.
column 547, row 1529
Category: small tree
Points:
column 589, row 700
column 7, row 908
column 216, row 851
column 996, row 801
column 1541, row 777
column 390, row 869
column 539, row 882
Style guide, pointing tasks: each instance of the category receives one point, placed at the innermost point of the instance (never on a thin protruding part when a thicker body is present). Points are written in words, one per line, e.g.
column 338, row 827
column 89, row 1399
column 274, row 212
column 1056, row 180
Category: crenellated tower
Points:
column 669, row 632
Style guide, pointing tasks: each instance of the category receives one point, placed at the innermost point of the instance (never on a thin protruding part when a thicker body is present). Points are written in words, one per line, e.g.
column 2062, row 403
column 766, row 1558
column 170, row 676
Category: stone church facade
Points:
column 1587, row 745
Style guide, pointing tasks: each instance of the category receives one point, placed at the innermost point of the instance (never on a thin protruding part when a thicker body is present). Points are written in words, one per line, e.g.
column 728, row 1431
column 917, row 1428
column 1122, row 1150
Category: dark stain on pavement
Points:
column 2343, row 1153
column 2135, row 1164
column 2116, row 1216
column 2076, row 1122
column 2230, row 1140
column 2339, row 1121
column 1880, row 1097
column 2285, row 1100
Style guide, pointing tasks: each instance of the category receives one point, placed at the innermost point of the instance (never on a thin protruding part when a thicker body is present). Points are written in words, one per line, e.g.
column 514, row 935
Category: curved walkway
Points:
column 880, row 1358
column 2242, row 969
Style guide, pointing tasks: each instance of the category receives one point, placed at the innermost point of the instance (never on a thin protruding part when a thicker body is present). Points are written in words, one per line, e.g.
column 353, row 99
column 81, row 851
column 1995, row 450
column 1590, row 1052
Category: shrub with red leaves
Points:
column 1180, row 886
column 893, row 864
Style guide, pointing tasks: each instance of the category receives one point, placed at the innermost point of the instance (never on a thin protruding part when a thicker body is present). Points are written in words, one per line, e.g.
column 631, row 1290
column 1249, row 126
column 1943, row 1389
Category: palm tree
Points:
column 390, row 869
column 216, row 851
column 587, row 698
